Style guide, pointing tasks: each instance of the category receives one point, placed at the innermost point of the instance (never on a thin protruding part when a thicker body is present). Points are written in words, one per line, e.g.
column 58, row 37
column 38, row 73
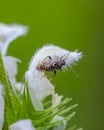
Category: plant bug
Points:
column 52, row 63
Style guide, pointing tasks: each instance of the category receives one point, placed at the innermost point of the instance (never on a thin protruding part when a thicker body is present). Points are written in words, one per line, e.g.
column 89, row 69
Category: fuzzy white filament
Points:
column 39, row 85
column 22, row 125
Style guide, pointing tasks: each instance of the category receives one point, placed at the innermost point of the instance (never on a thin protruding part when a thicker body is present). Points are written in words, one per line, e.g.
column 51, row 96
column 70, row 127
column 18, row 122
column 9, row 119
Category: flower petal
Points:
column 11, row 67
column 8, row 33
column 22, row 125
column 1, row 107
column 39, row 87
column 73, row 57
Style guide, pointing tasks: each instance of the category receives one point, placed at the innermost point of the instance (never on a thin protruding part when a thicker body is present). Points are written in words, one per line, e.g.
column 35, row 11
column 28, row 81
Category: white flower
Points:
column 1, row 107
column 39, row 87
column 11, row 67
column 8, row 33
column 44, row 60
column 22, row 125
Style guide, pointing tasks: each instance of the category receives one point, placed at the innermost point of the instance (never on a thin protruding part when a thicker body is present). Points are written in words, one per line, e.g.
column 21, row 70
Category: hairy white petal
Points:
column 10, row 64
column 39, row 87
column 60, row 126
column 73, row 57
column 8, row 33
column 22, row 125
column 1, row 107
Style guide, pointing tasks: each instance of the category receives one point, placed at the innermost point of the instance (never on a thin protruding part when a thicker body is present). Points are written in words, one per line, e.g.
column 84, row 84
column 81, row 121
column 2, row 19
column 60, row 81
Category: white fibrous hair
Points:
column 22, row 125
column 39, row 85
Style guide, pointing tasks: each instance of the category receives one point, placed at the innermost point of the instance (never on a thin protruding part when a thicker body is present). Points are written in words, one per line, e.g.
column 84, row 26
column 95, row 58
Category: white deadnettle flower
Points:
column 1, row 107
column 39, row 87
column 8, row 33
column 11, row 67
column 22, row 125
column 43, row 61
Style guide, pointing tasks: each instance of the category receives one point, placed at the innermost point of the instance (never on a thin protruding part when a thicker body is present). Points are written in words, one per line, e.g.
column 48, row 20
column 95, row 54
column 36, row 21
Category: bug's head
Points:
column 62, row 62
column 59, row 63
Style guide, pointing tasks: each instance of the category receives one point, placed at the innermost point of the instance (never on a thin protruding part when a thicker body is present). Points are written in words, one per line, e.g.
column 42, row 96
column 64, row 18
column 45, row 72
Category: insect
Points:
column 52, row 63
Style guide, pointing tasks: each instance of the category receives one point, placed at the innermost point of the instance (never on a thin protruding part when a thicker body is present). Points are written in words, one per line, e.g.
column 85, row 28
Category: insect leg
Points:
column 54, row 73
column 47, row 58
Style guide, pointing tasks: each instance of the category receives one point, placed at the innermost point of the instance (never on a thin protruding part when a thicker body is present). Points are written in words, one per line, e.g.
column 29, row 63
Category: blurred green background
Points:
column 71, row 24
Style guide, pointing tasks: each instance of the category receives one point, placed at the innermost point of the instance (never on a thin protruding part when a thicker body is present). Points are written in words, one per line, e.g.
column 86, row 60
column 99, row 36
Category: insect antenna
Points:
column 48, row 57
column 72, row 70
column 66, row 55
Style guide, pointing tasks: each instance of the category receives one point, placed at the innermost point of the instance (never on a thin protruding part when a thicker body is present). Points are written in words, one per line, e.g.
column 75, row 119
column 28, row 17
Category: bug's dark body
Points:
column 50, row 64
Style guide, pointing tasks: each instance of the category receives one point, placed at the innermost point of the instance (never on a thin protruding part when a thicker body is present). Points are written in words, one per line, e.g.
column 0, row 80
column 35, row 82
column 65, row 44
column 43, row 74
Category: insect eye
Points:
column 55, row 64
